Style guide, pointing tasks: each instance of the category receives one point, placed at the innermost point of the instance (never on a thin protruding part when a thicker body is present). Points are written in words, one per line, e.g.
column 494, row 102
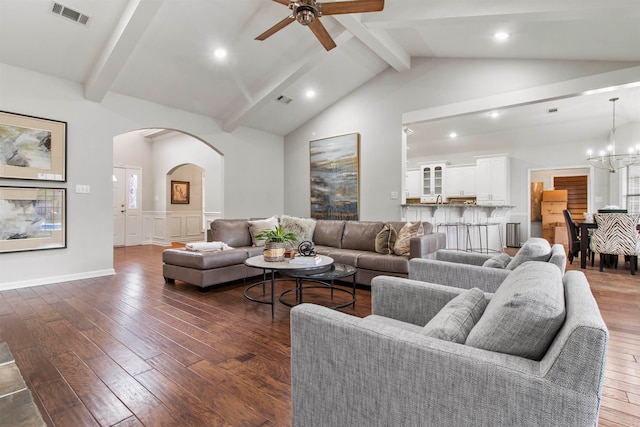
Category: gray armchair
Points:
column 466, row 270
column 380, row 371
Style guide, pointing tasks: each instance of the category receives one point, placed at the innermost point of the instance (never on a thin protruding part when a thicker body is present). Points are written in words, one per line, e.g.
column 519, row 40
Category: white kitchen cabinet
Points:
column 461, row 181
column 413, row 183
column 492, row 180
column 432, row 181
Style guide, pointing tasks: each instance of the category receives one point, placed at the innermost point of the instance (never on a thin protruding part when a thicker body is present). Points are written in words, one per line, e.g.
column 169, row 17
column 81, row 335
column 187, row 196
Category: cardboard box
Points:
column 552, row 208
column 561, row 236
column 555, row 196
column 549, row 220
column 549, row 234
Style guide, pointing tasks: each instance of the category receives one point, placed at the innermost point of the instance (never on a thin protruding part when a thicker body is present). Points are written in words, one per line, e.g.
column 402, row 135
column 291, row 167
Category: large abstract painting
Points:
column 32, row 148
column 335, row 177
column 32, row 219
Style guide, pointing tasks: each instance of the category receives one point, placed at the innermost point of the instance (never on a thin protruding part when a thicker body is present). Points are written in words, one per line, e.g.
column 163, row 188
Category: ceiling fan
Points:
column 307, row 12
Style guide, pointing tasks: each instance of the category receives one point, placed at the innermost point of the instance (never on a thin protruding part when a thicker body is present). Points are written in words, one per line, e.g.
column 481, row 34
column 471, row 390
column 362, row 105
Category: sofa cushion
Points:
column 388, row 263
column 234, row 232
column 328, row 232
column 342, row 256
column 303, row 227
column 456, row 319
column 259, row 225
column 403, row 241
column 385, row 240
column 498, row 261
column 361, row 235
column 524, row 314
column 534, row 249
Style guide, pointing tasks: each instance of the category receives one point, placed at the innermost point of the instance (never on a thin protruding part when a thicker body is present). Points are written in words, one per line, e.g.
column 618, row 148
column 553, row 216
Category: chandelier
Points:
column 608, row 159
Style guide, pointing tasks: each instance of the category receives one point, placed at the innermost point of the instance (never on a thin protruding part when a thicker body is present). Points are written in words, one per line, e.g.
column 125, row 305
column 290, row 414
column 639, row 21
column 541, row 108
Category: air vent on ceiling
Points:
column 67, row 12
column 552, row 110
column 284, row 99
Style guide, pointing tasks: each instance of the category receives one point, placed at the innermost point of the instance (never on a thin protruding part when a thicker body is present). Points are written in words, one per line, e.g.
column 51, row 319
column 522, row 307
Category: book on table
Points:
column 306, row 260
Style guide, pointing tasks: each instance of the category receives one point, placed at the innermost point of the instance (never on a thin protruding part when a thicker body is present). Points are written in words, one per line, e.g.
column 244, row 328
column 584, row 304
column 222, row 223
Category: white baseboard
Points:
column 56, row 279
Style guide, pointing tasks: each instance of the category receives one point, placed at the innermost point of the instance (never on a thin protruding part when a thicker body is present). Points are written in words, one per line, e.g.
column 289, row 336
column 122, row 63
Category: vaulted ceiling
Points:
column 163, row 50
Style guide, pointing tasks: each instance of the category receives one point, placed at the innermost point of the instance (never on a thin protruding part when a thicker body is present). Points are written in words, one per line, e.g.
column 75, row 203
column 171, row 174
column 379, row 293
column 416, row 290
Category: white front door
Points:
column 127, row 212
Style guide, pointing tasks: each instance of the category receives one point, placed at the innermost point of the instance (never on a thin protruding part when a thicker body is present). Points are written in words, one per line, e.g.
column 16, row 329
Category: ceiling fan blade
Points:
column 280, row 25
column 322, row 34
column 353, row 6
column 284, row 2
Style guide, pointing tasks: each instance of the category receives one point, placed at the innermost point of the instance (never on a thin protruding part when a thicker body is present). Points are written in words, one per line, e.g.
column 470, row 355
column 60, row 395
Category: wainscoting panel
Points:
column 193, row 226
column 163, row 227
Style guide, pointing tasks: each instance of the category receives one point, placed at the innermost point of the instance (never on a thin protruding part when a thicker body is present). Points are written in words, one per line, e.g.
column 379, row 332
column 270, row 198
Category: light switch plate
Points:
column 83, row 189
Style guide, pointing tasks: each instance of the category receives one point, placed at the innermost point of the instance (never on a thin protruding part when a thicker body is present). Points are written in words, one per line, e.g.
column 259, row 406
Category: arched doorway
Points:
column 159, row 153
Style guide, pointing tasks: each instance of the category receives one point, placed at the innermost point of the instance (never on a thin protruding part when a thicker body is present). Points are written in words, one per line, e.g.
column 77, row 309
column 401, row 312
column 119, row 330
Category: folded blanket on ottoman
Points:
column 207, row 246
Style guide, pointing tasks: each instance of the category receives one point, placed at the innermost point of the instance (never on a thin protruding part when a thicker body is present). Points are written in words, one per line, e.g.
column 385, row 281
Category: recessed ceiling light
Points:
column 220, row 53
column 310, row 93
column 453, row 135
column 494, row 114
column 501, row 35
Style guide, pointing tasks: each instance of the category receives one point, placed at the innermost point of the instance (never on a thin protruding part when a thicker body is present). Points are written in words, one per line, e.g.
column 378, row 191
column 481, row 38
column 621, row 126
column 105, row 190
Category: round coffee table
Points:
column 282, row 267
column 325, row 280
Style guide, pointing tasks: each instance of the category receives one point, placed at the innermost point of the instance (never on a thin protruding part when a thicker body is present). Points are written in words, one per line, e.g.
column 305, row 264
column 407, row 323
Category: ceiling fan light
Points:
column 305, row 15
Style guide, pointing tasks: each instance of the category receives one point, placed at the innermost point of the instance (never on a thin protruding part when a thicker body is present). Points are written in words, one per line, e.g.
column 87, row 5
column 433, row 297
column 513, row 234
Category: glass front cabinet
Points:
column 432, row 182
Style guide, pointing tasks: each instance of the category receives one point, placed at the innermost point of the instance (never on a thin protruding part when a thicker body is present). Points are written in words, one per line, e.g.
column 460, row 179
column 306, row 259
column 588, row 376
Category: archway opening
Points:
column 161, row 155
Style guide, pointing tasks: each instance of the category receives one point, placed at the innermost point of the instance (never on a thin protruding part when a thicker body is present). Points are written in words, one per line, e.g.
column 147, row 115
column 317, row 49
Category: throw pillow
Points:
column 403, row 242
column 303, row 227
column 534, row 249
column 261, row 224
column 385, row 240
column 456, row 319
column 524, row 314
column 498, row 261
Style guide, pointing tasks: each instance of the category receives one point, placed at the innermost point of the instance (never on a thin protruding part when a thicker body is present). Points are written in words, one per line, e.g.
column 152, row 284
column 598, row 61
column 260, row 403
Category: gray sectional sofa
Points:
column 347, row 242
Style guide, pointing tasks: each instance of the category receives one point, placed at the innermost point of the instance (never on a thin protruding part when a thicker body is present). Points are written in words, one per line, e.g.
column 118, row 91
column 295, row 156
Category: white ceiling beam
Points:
column 295, row 72
column 378, row 41
column 407, row 17
column 126, row 35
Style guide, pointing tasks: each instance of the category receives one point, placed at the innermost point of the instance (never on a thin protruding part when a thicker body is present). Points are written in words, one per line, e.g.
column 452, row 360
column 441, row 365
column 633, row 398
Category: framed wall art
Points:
column 32, row 219
column 32, row 148
column 179, row 192
column 335, row 177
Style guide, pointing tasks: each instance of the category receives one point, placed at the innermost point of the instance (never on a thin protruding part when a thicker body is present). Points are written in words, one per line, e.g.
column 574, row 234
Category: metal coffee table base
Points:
column 325, row 280
column 281, row 267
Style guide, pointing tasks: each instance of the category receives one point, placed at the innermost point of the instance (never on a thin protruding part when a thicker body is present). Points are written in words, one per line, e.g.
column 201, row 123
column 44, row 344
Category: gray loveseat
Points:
column 383, row 370
column 347, row 242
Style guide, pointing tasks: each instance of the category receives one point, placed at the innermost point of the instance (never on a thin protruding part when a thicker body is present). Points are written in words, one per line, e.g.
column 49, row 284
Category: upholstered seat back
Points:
column 617, row 234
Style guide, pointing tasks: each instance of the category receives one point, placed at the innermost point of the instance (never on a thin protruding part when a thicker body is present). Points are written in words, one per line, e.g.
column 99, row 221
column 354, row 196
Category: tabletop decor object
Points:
column 275, row 243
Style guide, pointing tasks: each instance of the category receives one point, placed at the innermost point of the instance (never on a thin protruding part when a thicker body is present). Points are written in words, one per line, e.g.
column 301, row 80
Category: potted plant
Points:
column 275, row 241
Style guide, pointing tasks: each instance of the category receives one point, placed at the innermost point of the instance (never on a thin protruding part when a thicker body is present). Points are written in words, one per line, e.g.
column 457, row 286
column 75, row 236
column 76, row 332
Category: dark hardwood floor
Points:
column 129, row 350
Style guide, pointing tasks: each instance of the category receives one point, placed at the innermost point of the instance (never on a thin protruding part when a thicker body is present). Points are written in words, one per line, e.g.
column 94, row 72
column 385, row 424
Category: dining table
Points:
column 584, row 243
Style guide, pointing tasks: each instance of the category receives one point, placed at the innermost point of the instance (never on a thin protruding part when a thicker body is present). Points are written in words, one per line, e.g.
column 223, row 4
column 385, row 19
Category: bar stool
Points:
column 476, row 221
column 449, row 225
column 484, row 227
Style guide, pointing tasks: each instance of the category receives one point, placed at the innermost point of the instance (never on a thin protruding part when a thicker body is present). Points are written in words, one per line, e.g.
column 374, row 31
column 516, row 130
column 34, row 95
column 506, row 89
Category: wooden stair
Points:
column 17, row 408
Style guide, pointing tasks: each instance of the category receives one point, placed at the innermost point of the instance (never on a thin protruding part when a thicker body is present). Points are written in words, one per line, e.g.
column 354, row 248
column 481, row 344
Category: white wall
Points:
column 193, row 175
column 179, row 149
column 376, row 109
column 91, row 129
